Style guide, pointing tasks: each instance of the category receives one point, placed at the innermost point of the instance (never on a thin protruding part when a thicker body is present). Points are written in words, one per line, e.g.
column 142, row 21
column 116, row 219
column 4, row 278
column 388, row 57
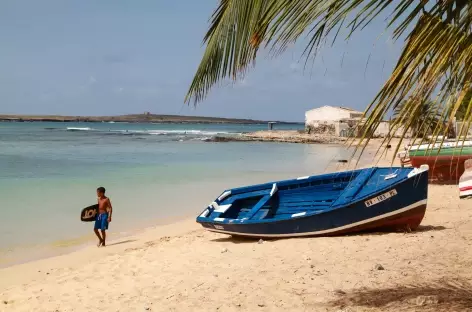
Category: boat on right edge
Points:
column 446, row 162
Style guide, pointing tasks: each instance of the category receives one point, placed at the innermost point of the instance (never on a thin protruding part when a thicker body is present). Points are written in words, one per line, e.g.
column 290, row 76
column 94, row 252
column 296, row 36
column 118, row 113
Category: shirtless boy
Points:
column 105, row 211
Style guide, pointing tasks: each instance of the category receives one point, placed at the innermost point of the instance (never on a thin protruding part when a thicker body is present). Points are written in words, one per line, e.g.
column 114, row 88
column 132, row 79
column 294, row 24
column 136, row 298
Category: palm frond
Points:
column 436, row 58
column 228, row 51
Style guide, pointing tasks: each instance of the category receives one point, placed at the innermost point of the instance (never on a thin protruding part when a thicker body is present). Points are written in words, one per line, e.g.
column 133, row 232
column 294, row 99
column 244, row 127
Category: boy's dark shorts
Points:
column 101, row 222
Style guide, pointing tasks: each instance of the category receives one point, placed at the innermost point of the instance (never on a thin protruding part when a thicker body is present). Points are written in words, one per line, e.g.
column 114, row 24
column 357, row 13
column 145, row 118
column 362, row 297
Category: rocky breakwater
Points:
column 287, row 136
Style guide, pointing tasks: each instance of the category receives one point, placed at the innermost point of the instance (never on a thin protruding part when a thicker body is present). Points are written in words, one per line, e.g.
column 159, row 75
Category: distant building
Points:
column 329, row 114
column 326, row 119
column 342, row 121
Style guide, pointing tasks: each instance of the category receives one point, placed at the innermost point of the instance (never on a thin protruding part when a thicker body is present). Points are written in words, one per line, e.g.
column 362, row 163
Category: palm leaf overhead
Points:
column 436, row 61
column 423, row 121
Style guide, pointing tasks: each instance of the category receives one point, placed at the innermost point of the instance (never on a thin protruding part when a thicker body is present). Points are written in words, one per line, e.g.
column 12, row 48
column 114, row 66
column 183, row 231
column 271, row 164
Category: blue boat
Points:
column 331, row 204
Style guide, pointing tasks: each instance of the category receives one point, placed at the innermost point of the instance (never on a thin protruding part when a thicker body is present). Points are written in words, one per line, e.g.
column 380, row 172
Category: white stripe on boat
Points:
column 222, row 208
column 465, row 193
column 274, row 189
column 224, row 195
column 219, row 219
column 391, row 175
column 344, row 227
column 465, row 183
column 445, row 144
column 419, row 170
column 303, row 178
column 205, row 213
column 299, row 214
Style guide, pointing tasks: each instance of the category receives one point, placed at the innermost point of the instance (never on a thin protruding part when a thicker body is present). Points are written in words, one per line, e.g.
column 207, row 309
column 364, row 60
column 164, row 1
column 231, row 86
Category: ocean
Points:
column 153, row 173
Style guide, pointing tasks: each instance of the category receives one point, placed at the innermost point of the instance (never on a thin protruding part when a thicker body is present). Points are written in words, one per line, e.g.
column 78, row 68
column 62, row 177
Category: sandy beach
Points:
column 181, row 267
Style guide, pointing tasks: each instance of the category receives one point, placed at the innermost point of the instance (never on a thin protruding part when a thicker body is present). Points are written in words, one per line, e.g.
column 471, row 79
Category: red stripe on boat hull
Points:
column 410, row 219
column 465, row 188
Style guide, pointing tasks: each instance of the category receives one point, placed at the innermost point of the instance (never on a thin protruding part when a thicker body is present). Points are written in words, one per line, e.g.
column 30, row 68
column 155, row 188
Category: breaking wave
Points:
column 79, row 129
column 173, row 135
column 143, row 132
column 169, row 132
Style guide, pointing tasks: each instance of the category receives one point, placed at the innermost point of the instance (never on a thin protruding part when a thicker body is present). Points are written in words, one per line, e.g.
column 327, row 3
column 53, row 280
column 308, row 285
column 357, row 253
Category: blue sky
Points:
column 112, row 57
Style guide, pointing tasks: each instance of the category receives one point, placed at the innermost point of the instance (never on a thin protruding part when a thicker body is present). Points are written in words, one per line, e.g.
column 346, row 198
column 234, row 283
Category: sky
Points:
column 112, row 57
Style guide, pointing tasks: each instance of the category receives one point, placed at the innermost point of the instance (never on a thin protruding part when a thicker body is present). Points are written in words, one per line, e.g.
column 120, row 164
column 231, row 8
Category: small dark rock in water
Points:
column 379, row 267
column 389, row 146
column 5, row 302
column 261, row 305
column 342, row 160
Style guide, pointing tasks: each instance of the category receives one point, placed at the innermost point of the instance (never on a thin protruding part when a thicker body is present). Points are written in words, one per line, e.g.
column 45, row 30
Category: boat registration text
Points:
column 380, row 198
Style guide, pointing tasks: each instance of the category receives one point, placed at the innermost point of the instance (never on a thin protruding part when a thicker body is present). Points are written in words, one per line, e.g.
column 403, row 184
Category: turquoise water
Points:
column 152, row 172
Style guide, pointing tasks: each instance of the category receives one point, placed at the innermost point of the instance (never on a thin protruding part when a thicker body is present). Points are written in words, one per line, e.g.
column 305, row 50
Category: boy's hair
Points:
column 101, row 189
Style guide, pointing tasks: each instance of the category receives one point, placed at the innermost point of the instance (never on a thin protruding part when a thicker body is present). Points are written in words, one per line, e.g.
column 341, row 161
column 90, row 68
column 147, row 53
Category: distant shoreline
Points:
column 135, row 118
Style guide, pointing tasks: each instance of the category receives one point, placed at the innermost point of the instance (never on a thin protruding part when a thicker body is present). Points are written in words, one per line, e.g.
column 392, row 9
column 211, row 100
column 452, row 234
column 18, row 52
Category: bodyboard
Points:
column 89, row 213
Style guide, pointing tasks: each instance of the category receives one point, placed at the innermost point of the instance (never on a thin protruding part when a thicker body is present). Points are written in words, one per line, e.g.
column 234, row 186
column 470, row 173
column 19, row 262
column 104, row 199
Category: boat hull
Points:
column 443, row 169
column 404, row 211
column 445, row 166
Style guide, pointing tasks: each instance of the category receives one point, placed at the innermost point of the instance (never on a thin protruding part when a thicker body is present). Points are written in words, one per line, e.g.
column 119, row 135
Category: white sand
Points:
column 180, row 267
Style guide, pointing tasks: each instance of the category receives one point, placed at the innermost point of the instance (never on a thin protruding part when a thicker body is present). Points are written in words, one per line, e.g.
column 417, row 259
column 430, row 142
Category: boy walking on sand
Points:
column 105, row 211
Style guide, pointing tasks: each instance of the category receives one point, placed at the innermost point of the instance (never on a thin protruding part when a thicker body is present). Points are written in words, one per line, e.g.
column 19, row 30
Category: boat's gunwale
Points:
column 445, row 144
column 283, row 183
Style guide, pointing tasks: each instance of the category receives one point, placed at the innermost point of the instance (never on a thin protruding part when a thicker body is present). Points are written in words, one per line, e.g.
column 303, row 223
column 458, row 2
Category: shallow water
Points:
column 152, row 172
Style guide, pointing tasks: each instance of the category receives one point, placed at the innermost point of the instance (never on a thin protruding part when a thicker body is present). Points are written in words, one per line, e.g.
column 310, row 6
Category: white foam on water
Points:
column 172, row 132
column 79, row 129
